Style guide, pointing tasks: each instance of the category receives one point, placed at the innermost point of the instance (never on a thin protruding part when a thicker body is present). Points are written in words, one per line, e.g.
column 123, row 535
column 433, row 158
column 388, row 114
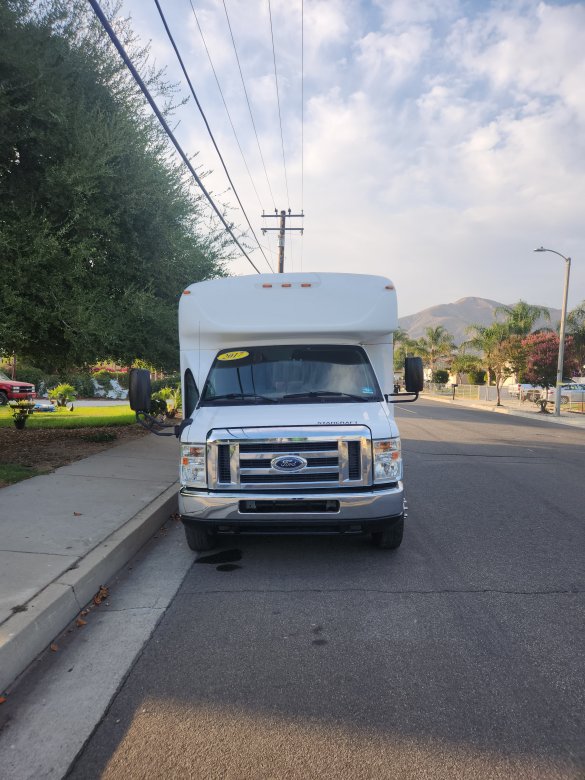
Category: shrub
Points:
column 30, row 374
column 158, row 406
column 171, row 397
column 81, row 384
column 64, row 394
column 169, row 381
column 440, row 376
column 39, row 378
column 476, row 377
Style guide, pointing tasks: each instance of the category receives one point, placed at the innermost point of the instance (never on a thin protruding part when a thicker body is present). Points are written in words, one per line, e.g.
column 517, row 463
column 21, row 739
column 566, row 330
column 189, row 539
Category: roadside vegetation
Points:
column 12, row 472
column 508, row 347
column 80, row 417
column 100, row 230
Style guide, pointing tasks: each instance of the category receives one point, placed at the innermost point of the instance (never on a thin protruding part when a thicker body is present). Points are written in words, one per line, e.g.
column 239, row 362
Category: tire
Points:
column 391, row 537
column 564, row 400
column 199, row 539
column 3, row 398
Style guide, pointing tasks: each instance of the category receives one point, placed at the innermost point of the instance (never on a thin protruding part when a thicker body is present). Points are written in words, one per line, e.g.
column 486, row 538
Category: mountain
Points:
column 456, row 317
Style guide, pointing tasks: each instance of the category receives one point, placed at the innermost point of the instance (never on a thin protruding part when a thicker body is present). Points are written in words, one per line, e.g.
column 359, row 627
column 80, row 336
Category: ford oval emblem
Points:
column 288, row 463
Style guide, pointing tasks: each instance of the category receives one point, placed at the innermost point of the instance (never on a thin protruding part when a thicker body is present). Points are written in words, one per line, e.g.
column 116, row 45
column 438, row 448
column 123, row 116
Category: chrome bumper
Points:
column 217, row 508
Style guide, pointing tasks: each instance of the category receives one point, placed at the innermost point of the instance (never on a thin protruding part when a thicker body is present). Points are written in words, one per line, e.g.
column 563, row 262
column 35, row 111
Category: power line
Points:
column 223, row 99
column 248, row 102
column 122, row 52
column 182, row 64
column 278, row 102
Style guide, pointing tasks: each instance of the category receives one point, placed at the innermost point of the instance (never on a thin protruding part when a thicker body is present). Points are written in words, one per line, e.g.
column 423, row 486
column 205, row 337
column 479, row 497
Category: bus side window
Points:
column 191, row 394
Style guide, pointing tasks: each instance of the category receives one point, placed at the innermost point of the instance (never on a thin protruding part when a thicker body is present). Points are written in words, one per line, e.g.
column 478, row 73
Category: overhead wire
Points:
column 223, row 98
column 270, row 247
column 144, row 89
column 248, row 102
column 184, row 69
column 278, row 103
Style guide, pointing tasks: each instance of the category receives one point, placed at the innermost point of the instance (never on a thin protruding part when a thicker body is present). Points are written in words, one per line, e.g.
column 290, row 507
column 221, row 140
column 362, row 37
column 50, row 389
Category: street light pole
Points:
column 562, row 331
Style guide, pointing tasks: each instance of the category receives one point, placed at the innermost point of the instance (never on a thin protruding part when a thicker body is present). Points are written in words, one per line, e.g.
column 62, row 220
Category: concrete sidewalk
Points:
column 64, row 534
column 512, row 407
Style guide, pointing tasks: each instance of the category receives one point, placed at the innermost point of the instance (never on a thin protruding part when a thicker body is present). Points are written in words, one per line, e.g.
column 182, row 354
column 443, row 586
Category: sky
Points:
column 435, row 142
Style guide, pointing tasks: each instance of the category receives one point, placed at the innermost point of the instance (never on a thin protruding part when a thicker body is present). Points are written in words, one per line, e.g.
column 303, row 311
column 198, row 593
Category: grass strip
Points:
column 13, row 472
column 82, row 417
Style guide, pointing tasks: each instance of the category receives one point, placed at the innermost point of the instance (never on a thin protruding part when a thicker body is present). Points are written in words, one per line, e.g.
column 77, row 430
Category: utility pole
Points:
column 283, row 215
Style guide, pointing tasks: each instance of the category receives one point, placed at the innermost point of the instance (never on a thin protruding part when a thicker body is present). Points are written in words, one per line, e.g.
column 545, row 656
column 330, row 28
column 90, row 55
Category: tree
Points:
column 403, row 345
column 576, row 328
column 99, row 234
column 503, row 353
column 437, row 343
column 521, row 317
column 464, row 363
column 542, row 358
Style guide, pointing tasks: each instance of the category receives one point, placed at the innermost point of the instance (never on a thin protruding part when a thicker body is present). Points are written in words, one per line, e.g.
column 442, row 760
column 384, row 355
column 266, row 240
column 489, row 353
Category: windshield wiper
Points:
column 323, row 394
column 239, row 397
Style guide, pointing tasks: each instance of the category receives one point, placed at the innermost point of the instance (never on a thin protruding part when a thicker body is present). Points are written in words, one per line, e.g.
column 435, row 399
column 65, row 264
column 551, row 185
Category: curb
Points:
column 26, row 634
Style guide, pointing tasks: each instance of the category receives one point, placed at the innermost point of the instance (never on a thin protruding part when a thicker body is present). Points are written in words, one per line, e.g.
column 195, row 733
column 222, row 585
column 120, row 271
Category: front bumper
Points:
column 332, row 511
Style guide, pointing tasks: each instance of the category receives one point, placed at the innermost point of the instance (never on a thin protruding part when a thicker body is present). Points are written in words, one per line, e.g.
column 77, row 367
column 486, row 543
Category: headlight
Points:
column 387, row 460
column 193, row 465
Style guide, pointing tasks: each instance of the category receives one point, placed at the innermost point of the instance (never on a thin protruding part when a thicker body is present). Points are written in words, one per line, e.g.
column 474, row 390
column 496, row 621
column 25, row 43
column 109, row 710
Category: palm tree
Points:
column 576, row 328
column 403, row 344
column 437, row 343
column 502, row 351
column 522, row 316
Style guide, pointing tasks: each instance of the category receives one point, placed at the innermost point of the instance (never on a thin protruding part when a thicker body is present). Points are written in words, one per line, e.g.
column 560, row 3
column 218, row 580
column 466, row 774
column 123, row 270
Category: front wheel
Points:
column 391, row 537
column 3, row 398
column 199, row 539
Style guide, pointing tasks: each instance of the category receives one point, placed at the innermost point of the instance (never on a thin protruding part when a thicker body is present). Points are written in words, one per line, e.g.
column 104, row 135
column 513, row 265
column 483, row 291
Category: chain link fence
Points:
column 575, row 402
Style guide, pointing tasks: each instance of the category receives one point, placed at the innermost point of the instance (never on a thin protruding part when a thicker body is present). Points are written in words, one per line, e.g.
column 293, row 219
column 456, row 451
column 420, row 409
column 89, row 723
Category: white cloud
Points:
column 392, row 57
column 399, row 12
column 443, row 140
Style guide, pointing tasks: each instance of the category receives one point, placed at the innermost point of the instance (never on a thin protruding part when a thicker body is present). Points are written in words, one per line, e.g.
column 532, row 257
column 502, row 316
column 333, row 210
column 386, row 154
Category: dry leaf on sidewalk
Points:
column 54, row 647
column 102, row 594
column 80, row 622
column 2, row 699
column 77, row 514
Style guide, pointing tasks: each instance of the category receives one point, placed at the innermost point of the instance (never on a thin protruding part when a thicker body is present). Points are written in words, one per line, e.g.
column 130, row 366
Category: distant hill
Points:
column 456, row 317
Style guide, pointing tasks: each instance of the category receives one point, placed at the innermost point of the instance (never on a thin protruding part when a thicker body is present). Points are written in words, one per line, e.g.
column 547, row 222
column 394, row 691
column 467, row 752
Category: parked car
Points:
column 13, row 390
column 571, row 392
column 525, row 391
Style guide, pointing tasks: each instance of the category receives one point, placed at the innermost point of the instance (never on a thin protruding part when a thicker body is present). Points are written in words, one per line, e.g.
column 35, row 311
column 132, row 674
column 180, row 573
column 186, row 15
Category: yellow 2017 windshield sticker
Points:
column 232, row 355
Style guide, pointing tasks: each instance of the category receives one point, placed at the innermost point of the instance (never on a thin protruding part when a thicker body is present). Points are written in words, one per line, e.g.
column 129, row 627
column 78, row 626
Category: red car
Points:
column 13, row 390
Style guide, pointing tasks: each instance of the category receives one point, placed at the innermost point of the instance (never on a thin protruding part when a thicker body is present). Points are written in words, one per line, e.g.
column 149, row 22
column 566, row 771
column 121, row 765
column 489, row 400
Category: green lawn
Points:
column 12, row 472
column 80, row 417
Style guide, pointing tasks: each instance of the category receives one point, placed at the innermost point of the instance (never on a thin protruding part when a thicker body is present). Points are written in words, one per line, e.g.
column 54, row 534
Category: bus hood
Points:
column 374, row 415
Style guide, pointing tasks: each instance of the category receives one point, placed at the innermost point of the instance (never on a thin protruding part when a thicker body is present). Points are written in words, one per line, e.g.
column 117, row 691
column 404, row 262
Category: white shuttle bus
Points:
column 288, row 392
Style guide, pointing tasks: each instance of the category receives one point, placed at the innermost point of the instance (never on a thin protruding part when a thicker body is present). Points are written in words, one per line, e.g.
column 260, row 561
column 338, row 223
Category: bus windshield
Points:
column 291, row 374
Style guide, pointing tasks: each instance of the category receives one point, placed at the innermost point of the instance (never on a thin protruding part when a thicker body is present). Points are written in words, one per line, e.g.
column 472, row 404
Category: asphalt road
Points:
column 460, row 655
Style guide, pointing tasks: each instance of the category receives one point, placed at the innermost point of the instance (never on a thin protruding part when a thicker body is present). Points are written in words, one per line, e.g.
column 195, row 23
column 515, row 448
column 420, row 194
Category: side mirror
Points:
column 413, row 375
column 139, row 390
